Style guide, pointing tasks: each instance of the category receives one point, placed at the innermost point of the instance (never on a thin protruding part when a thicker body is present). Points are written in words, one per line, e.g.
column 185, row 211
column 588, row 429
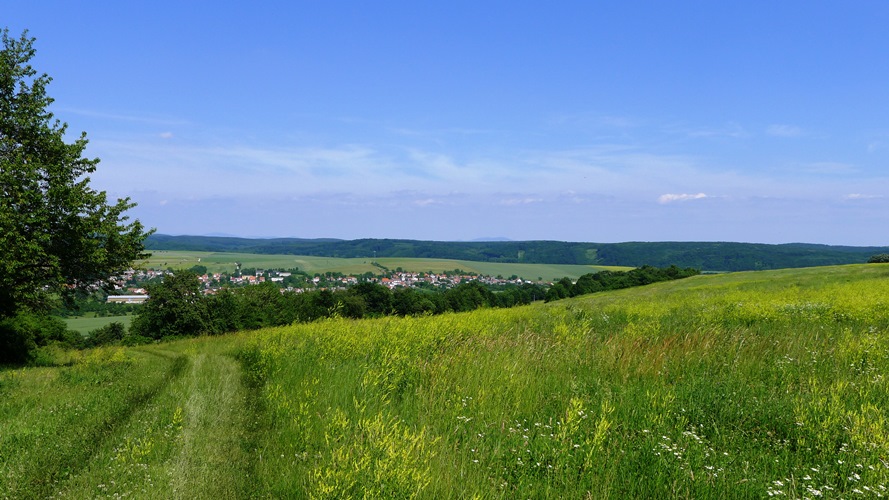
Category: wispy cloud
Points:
column 730, row 130
column 670, row 198
column 598, row 121
column 860, row 196
column 783, row 130
column 511, row 202
column 829, row 167
column 428, row 202
column 152, row 120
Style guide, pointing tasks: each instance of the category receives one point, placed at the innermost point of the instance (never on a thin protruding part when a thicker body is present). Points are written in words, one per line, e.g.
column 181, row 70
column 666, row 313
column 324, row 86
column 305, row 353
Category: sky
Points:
column 749, row 121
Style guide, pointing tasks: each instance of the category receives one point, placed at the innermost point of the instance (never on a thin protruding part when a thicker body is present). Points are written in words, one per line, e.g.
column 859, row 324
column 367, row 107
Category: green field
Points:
column 225, row 262
column 88, row 324
column 745, row 385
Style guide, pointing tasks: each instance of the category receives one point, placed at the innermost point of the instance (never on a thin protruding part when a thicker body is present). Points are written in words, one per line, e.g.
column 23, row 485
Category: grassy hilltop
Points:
column 739, row 385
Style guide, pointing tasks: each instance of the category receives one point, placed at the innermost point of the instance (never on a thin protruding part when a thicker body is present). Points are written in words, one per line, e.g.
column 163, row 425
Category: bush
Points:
column 16, row 343
column 881, row 258
column 108, row 334
column 21, row 334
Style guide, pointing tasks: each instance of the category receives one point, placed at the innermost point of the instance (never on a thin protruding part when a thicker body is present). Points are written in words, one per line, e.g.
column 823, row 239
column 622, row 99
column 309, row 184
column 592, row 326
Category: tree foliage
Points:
column 615, row 280
column 176, row 308
column 57, row 234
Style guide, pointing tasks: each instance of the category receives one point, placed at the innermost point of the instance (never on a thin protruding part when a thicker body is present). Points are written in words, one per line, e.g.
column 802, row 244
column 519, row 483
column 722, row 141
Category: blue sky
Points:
column 580, row 121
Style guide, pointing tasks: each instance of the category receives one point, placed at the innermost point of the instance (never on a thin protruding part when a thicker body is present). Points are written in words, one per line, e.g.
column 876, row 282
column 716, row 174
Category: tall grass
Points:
column 747, row 385
column 166, row 421
column 742, row 386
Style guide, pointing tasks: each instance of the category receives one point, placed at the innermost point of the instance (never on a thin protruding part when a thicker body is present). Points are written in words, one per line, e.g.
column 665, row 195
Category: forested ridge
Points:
column 707, row 256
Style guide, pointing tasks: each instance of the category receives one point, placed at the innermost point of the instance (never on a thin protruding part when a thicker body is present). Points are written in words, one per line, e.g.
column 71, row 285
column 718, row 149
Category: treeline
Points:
column 615, row 280
column 95, row 304
column 177, row 307
column 535, row 252
column 709, row 256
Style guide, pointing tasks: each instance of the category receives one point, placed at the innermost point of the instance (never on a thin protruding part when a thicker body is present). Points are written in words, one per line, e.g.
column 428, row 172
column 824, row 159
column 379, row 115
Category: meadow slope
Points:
column 744, row 385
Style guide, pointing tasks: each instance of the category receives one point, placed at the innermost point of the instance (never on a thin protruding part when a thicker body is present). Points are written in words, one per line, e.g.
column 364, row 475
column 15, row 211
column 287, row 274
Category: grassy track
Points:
column 154, row 422
column 211, row 462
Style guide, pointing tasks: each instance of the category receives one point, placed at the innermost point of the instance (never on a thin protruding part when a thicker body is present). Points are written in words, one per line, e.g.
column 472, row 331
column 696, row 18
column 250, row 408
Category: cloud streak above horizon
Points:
column 600, row 122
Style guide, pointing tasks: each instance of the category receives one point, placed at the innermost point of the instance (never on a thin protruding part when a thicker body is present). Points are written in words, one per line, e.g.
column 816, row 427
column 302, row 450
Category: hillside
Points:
column 707, row 256
column 743, row 385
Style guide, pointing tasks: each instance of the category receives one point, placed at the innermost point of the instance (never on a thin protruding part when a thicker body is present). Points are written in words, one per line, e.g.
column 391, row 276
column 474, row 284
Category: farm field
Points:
column 225, row 262
column 86, row 324
column 745, row 385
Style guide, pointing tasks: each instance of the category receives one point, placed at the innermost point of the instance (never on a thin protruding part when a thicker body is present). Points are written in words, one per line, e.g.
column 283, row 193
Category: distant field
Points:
column 86, row 324
column 225, row 262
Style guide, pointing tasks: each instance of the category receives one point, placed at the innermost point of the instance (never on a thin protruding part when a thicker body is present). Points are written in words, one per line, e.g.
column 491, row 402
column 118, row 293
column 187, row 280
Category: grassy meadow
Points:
column 745, row 385
column 217, row 262
column 86, row 324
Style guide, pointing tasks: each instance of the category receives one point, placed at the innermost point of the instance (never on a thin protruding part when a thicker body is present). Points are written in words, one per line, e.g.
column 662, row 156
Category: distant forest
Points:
column 707, row 256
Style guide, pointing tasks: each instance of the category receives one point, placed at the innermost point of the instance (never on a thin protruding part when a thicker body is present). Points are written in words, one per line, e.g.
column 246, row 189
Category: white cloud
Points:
column 731, row 130
column 780, row 130
column 427, row 202
column 520, row 201
column 155, row 120
column 670, row 198
column 859, row 196
column 166, row 135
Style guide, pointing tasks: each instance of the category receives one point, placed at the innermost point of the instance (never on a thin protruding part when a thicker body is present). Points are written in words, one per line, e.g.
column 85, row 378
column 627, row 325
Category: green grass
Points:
column 744, row 385
column 86, row 324
column 225, row 262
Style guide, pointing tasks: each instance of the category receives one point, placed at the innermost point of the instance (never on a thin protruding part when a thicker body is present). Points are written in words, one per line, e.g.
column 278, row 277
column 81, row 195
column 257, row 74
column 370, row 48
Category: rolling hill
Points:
column 707, row 256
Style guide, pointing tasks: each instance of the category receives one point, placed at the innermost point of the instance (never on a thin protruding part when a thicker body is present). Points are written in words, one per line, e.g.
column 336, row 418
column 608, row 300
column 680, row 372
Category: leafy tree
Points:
column 351, row 305
column 409, row 302
column 557, row 292
column 259, row 305
column 198, row 269
column 880, row 258
column 22, row 333
column 175, row 308
column 223, row 311
column 586, row 284
column 469, row 296
column 57, row 235
column 377, row 298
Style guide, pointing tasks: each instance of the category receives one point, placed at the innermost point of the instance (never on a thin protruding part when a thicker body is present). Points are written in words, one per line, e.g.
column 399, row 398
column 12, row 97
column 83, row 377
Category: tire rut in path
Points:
column 211, row 461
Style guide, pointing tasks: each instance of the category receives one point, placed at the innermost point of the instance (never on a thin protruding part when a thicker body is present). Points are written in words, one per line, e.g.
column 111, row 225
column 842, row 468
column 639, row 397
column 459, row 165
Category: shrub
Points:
column 21, row 334
column 880, row 258
column 108, row 334
column 16, row 343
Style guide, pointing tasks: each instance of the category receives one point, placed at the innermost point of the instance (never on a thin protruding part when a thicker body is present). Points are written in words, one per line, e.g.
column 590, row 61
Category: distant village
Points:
column 130, row 286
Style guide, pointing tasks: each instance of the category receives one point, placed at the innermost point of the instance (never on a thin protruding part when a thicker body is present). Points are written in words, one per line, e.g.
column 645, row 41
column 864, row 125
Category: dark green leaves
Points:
column 57, row 235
